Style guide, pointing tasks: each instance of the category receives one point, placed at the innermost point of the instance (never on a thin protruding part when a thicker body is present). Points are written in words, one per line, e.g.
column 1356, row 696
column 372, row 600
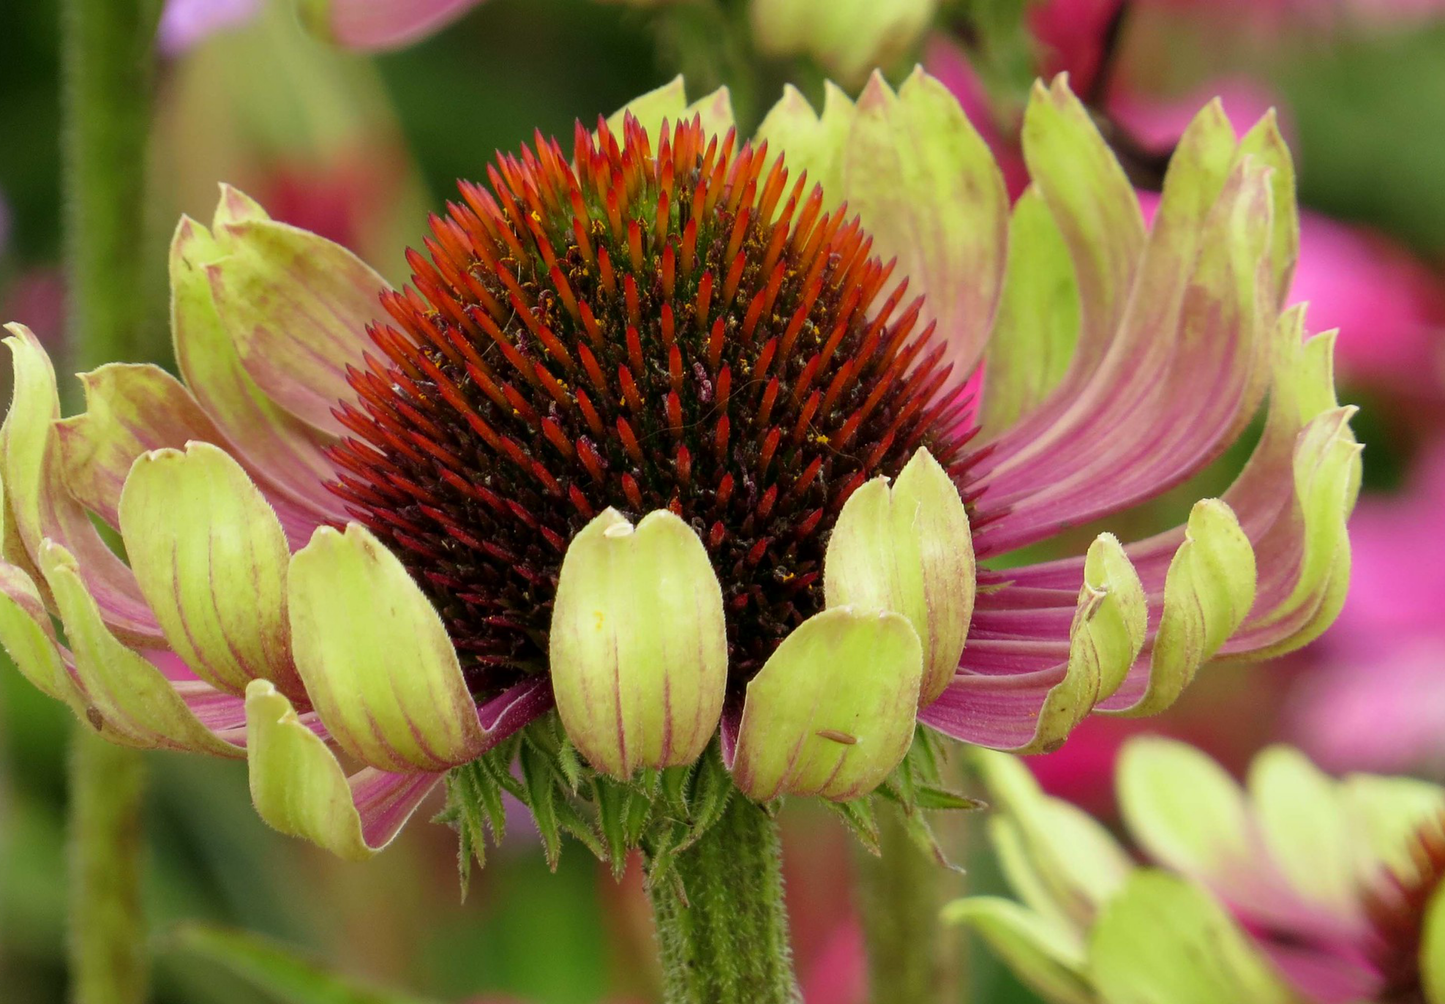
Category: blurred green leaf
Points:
column 282, row 972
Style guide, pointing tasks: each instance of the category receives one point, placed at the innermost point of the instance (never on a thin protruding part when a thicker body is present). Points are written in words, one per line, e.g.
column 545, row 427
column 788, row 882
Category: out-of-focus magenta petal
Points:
column 1073, row 34
column 184, row 23
column 838, row 975
column 373, row 25
column 1322, row 977
column 1388, row 305
column 1158, row 123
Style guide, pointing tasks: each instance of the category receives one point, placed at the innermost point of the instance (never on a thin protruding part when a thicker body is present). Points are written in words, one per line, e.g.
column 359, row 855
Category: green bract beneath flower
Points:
column 639, row 653
column 768, row 376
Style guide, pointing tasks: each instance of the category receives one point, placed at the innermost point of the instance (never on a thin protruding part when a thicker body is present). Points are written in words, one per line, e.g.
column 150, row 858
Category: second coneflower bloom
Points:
column 691, row 439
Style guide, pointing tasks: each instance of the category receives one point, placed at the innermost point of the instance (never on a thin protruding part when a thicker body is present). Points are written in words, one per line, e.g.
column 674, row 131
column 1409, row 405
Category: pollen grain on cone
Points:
column 680, row 328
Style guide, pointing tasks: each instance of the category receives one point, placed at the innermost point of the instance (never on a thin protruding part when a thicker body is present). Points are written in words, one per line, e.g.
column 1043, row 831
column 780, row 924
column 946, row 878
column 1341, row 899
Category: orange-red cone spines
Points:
column 678, row 328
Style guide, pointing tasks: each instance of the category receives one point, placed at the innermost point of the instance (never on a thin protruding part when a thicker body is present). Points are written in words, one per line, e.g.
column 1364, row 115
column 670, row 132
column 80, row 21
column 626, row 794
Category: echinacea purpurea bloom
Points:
column 1296, row 889
column 664, row 381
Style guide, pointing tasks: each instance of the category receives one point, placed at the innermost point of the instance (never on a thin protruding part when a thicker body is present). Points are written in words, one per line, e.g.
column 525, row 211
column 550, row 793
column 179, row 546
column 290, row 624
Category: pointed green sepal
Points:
column 638, row 644
column 375, row 657
column 908, row 549
column 832, row 711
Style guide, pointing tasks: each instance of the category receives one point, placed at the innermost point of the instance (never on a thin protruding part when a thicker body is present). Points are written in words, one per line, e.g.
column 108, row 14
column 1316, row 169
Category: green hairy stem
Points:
column 106, row 56
column 723, row 934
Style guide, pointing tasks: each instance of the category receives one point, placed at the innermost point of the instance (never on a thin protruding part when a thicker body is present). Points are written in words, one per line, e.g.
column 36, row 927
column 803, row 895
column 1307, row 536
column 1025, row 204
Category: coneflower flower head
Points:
column 1296, row 888
column 677, row 434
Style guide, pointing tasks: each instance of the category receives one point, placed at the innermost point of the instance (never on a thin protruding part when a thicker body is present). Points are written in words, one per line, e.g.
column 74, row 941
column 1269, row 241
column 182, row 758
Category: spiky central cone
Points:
column 642, row 330
column 1396, row 908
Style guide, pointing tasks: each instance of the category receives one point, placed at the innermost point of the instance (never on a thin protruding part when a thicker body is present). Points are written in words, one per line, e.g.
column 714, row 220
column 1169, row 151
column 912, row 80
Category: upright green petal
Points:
column 908, row 549
column 128, row 700
column 1183, row 808
column 1092, row 202
column 669, row 103
column 923, row 184
column 375, row 657
column 210, row 557
column 296, row 306
column 638, row 643
column 1038, row 318
column 1165, row 941
column 832, row 711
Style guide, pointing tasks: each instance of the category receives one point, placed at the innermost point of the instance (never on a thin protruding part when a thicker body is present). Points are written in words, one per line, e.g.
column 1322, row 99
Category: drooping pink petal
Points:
column 382, row 24
column 386, row 801
column 1175, row 386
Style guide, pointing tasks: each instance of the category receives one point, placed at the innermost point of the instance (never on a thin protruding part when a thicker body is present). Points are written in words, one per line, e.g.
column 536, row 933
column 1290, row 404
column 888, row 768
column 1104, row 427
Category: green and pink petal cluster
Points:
column 697, row 440
column 1296, row 888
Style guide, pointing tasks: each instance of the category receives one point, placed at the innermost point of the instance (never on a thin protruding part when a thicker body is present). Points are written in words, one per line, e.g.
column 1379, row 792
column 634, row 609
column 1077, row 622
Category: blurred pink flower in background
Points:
column 369, row 25
column 184, row 23
column 1378, row 698
column 380, row 24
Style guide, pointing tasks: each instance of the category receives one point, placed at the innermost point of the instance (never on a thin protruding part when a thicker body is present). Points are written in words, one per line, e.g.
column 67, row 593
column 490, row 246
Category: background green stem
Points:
column 107, row 61
column 900, row 895
column 727, row 942
column 108, row 66
column 107, row 935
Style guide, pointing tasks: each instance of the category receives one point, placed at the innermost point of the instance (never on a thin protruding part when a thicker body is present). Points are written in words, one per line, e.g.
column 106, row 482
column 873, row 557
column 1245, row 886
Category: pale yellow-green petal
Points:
column 1048, row 959
column 1385, row 814
column 638, row 643
column 211, row 557
column 375, row 657
column 1163, row 940
column 922, row 183
column 1182, row 808
column 29, row 638
column 296, row 307
column 128, row 699
column 908, row 549
column 1062, row 860
column 1304, row 824
column 832, row 711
